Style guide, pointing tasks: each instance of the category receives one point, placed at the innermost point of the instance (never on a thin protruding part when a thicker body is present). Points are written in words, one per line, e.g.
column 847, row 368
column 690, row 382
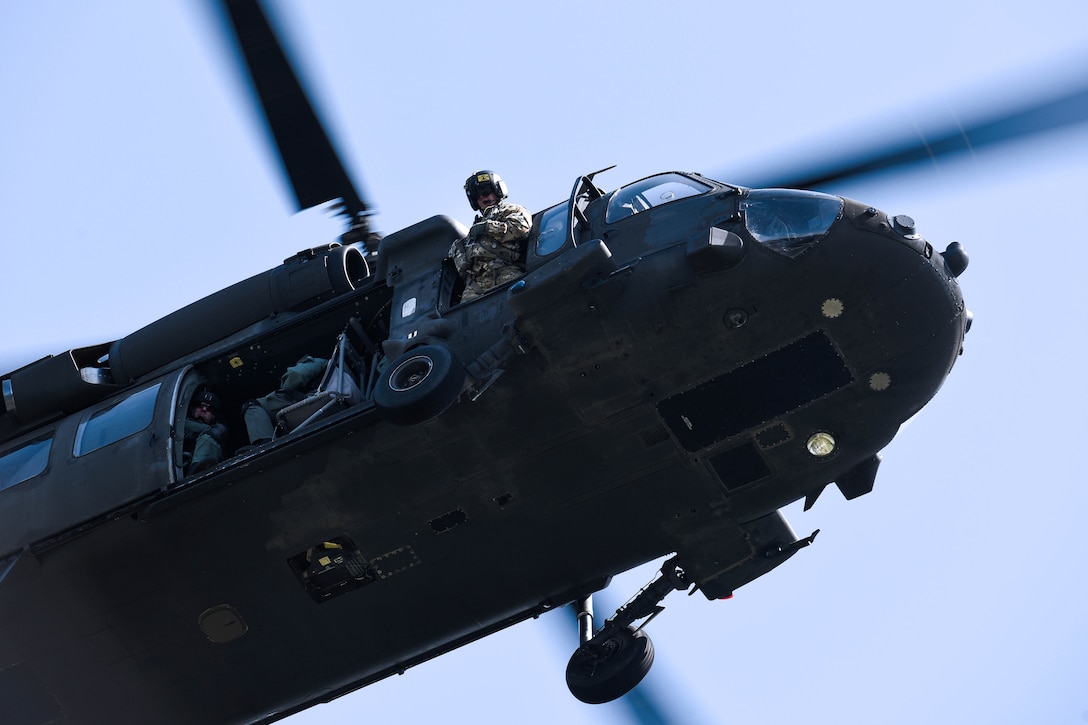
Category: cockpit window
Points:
column 25, row 462
column 651, row 192
column 553, row 230
column 131, row 415
column 789, row 221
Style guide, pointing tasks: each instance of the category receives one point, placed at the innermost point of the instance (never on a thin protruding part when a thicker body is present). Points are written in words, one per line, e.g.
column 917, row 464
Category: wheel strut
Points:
column 585, row 619
column 647, row 603
column 609, row 663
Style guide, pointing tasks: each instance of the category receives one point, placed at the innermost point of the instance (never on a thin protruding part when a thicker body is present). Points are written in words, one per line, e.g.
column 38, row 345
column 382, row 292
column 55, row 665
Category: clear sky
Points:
column 134, row 179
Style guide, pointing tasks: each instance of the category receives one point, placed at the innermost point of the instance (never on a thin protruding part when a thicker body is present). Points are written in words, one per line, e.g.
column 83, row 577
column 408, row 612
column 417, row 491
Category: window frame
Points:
column 138, row 411
column 32, row 460
column 617, row 211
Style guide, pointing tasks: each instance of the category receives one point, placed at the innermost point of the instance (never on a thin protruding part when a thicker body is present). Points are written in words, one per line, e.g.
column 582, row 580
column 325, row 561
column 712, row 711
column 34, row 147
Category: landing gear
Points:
column 611, row 662
column 611, row 666
column 419, row 385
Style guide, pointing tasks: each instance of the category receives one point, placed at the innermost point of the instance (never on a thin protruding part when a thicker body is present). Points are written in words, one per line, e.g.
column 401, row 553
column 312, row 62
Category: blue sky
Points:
column 134, row 179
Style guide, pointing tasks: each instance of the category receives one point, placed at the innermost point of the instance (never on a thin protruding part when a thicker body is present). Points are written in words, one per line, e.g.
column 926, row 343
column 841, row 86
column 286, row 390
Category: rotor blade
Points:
column 308, row 156
column 644, row 705
column 1068, row 109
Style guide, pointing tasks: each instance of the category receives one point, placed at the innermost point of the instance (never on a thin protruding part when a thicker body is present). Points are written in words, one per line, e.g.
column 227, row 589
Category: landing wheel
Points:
column 601, row 671
column 419, row 385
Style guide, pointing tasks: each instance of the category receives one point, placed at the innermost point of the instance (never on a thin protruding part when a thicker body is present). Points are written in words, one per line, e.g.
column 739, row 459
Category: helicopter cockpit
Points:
column 789, row 221
column 650, row 192
column 560, row 225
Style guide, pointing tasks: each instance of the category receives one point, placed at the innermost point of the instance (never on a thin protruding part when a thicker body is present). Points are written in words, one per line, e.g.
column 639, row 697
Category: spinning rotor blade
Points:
column 309, row 159
column 645, row 706
column 1067, row 109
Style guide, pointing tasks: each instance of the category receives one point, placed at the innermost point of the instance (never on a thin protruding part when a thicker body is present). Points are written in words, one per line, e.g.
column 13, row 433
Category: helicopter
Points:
column 483, row 400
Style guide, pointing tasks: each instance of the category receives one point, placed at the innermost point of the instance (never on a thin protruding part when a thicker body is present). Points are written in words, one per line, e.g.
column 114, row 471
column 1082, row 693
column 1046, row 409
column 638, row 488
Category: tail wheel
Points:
column 604, row 670
column 419, row 385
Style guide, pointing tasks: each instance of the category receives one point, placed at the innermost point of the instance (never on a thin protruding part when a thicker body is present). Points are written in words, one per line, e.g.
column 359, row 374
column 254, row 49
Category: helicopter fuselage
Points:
column 681, row 359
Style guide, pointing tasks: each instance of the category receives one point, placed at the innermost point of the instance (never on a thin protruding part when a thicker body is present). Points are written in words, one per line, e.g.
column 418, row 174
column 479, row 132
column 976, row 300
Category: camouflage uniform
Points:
column 493, row 253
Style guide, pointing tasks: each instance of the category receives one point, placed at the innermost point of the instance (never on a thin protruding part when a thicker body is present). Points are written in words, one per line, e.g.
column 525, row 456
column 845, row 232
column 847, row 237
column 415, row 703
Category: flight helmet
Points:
column 207, row 396
column 481, row 182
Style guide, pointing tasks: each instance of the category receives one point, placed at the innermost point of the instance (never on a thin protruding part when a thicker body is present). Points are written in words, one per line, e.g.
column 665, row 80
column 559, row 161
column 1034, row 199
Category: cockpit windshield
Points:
column 651, row 192
column 789, row 221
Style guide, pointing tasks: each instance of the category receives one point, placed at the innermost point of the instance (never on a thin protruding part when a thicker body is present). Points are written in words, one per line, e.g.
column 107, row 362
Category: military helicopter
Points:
column 588, row 384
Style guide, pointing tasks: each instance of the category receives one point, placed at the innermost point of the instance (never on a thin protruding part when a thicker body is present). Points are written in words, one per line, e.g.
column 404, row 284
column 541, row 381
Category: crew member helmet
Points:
column 208, row 397
column 480, row 183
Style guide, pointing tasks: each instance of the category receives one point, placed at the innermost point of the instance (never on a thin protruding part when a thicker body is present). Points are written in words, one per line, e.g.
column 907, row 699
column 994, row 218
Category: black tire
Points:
column 419, row 385
column 601, row 672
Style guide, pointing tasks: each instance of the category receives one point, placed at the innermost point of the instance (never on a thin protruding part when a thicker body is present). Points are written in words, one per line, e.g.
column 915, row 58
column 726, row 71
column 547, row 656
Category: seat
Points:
column 338, row 390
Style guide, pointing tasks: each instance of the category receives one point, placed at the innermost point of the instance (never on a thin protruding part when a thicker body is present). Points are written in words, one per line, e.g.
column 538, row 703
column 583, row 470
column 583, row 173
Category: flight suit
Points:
column 205, row 442
column 493, row 253
column 295, row 385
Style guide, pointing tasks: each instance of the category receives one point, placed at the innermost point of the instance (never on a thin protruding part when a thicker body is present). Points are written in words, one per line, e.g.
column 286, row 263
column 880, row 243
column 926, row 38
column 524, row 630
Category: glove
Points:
column 487, row 228
column 477, row 230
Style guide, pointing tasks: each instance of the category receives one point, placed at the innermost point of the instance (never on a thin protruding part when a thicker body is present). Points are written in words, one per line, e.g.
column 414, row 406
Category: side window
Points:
column 24, row 462
column 553, row 230
column 129, row 416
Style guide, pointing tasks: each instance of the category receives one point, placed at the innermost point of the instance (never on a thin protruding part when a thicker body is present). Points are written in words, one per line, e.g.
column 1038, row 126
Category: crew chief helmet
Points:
column 482, row 182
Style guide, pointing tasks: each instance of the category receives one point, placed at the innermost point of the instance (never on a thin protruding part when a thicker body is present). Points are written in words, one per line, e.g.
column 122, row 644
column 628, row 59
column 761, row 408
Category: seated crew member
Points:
column 204, row 435
column 493, row 253
column 295, row 384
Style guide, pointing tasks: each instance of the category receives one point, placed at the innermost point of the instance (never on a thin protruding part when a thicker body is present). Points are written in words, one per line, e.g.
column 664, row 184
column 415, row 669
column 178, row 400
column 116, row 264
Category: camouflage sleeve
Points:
column 459, row 256
column 509, row 223
column 518, row 222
